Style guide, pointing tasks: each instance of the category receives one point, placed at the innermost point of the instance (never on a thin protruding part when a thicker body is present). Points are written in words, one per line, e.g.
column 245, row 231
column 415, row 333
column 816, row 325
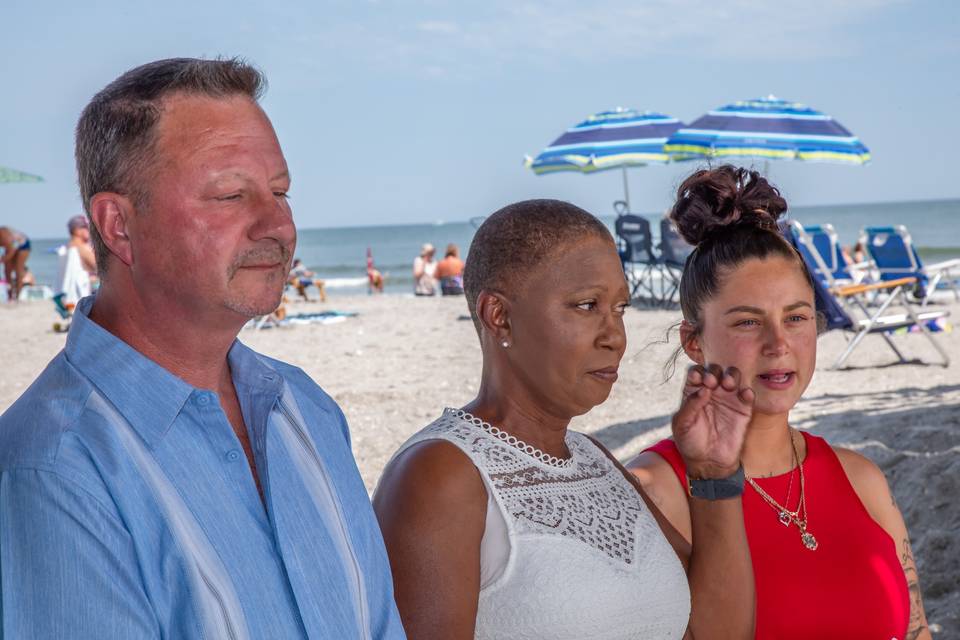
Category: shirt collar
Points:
column 250, row 369
column 148, row 396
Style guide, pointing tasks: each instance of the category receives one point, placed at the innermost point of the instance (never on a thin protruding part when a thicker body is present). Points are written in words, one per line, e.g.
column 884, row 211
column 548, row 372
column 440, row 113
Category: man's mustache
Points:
column 259, row 256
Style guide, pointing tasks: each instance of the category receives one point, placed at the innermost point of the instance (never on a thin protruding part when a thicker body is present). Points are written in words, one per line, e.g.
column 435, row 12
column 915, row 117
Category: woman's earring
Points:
column 504, row 344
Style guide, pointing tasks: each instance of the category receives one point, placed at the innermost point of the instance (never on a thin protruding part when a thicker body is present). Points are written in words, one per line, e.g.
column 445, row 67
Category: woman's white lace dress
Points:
column 570, row 550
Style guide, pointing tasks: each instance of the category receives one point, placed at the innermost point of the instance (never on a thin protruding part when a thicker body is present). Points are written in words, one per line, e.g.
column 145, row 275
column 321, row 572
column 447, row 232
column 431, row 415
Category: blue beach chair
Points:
column 844, row 307
column 894, row 256
column 641, row 265
column 874, row 322
column 674, row 252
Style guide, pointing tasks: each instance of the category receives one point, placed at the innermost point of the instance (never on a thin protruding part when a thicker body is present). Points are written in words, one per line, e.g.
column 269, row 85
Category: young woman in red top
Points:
column 830, row 550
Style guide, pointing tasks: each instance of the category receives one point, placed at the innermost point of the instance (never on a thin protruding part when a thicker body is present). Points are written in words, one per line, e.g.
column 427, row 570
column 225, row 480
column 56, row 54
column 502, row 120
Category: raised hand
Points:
column 712, row 420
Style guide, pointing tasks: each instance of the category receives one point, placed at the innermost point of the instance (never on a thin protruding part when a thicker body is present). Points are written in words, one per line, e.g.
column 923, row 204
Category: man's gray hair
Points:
column 116, row 133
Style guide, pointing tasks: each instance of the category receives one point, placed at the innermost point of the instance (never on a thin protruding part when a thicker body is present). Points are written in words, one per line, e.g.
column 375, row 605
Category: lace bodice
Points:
column 584, row 558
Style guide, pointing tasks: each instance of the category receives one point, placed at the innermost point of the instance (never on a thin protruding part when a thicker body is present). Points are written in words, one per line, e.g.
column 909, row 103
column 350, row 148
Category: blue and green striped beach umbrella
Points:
column 767, row 128
column 614, row 139
column 9, row 176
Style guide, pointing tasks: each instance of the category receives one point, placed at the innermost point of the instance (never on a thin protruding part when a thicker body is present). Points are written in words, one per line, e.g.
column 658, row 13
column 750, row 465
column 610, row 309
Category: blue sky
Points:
column 403, row 112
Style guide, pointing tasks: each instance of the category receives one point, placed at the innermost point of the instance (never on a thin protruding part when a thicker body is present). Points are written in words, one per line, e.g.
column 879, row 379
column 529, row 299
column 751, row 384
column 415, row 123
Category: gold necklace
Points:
column 783, row 513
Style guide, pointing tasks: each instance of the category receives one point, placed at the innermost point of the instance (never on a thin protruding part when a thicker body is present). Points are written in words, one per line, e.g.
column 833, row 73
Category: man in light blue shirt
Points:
column 160, row 479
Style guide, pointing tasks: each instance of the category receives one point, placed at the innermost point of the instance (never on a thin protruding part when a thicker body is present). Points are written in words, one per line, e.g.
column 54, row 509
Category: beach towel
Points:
column 294, row 319
column 320, row 317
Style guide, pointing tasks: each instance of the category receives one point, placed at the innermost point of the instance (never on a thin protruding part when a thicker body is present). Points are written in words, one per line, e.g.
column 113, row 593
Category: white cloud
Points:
column 393, row 35
column 630, row 28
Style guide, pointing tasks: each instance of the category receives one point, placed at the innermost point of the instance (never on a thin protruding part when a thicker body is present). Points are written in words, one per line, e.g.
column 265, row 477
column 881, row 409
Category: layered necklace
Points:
column 786, row 517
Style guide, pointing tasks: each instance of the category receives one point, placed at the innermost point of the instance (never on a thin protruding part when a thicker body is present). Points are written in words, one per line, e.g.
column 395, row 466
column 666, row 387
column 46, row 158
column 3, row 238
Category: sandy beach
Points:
column 395, row 366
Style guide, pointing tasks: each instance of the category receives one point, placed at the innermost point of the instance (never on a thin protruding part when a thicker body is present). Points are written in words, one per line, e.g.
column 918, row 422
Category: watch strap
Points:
column 717, row 488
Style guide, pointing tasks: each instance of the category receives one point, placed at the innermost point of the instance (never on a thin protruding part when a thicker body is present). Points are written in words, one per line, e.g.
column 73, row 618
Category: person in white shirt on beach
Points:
column 502, row 523
column 424, row 272
column 77, row 263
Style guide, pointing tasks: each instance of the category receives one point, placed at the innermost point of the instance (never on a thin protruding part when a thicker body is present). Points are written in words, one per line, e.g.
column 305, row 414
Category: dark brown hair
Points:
column 518, row 238
column 116, row 133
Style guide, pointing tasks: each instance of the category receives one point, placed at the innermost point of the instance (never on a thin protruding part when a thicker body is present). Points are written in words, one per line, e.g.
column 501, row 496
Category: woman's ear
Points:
column 690, row 341
column 494, row 315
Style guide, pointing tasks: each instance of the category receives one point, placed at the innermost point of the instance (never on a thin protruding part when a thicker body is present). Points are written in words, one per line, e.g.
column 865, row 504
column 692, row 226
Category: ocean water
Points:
column 339, row 254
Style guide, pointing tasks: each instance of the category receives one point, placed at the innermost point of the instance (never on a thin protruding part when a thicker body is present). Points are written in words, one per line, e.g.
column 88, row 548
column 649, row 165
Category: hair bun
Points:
column 710, row 201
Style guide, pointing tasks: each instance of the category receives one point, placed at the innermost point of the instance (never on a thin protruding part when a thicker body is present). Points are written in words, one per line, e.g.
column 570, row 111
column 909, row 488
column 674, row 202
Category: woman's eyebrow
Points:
column 744, row 309
column 760, row 312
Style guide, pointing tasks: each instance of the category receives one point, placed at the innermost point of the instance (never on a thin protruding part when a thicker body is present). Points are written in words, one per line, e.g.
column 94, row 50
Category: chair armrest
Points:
column 942, row 266
column 856, row 289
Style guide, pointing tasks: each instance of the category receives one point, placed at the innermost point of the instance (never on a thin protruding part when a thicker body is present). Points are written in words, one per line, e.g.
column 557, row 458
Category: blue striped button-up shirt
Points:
column 128, row 509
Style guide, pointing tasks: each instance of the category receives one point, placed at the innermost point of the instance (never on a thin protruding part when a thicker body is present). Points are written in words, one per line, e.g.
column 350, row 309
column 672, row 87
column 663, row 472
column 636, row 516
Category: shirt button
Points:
column 233, row 455
column 203, row 399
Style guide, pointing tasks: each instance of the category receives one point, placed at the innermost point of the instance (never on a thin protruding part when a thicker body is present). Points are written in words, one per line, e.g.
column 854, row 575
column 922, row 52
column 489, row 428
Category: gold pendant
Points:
column 785, row 518
column 809, row 541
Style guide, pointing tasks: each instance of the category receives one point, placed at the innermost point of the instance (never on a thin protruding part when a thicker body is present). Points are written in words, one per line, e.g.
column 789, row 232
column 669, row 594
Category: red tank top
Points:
column 852, row 586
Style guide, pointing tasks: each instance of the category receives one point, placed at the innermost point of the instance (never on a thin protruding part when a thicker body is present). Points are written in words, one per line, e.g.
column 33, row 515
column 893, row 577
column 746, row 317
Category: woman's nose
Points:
column 613, row 335
column 775, row 341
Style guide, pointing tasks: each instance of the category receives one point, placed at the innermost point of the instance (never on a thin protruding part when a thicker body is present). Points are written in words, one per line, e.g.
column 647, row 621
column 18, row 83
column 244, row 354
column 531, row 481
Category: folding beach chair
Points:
column 640, row 264
column 894, row 255
column 674, row 252
column 845, row 308
column 875, row 322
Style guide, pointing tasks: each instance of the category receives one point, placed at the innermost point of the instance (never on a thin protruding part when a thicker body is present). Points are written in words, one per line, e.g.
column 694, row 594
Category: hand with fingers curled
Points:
column 710, row 425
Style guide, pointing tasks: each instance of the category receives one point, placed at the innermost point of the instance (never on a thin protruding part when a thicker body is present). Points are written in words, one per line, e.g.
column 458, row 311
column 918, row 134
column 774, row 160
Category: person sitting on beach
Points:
column 28, row 279
column 301, row 278
column 450, row 272
column 529, row 530
column 77, row 264
column 16, row 251
column 160, row 479
column 424, row 272
column 855, row 255
column 831, row 554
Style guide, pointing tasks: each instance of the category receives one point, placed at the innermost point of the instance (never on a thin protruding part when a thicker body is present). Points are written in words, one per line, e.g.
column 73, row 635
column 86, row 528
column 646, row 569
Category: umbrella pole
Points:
column 626, row 189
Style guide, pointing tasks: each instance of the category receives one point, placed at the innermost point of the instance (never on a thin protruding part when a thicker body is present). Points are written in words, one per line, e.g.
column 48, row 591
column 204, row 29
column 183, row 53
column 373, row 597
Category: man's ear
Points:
column 493, row 310
column 111, row 213
column 690, row 341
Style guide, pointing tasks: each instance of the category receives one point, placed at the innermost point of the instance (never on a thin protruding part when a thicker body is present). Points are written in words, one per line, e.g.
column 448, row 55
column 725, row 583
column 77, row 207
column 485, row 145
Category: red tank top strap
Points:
column 667, row 449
